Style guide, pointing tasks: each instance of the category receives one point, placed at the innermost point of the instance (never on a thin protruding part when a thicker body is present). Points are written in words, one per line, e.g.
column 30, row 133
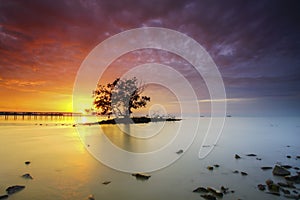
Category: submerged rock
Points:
column 280, row 171
column 142, row 176
column 27, row 162
column 210, row 168
column 266, row 168
column 251, row 155
column 291, row 196
column 237, row 156
column 261, row 187
column 200, row 190
column 106, row 182
column 286, row 185
column 286, row 166
column 215, row 192
column 295, row 178
column 27, row 176
column 269, row 182
column 14, row 189
column 285, row 191
column 235, row 172
column 216, row 165
column 244, row 173
column 4, row 196
column 273, row 188
column 209, row 197
column 180, row 151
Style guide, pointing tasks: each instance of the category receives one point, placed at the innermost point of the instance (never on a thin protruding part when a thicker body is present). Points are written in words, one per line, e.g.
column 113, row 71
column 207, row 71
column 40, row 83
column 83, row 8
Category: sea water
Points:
column 63, row 168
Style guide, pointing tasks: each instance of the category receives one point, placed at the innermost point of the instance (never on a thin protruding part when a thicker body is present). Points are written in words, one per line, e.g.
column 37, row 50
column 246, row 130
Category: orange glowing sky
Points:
column 42, row 45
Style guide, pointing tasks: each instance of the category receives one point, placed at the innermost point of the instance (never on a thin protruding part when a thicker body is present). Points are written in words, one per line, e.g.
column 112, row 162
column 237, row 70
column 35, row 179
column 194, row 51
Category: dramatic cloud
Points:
column 255, row 44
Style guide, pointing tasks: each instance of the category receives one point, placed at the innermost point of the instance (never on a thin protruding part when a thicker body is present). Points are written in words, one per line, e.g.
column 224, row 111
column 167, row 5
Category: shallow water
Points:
column 62, row 167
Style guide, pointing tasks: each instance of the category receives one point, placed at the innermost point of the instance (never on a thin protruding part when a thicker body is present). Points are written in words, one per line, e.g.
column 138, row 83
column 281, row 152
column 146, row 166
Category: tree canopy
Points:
column 119, row 97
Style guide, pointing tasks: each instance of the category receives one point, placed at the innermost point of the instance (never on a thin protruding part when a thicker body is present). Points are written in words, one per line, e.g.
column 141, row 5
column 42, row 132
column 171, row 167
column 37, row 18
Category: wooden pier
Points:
column 36, row 115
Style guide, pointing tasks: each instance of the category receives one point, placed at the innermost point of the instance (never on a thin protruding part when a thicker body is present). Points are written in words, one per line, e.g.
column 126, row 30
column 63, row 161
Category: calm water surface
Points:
column 62, row 168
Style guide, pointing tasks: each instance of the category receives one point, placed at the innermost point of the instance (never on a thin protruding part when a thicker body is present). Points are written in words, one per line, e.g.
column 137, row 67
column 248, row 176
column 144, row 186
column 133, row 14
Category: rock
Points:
column 291, row 196
column 286, row 185
column 27, row 162
column 288, row 156
column 266, row 168
column 106, row 182
column 91, row 197
column 295, row 178
column 273, row 188
column 141, row 176
column 296, row 168
column 14, row 189
column 208, row 197
column 235, row 172
column 200, row 190
column 27, row 176
column 269, row 182
column 244, row 173
column 274, row 193
column 224, row 190
column 237, row 156
column 180, row 151
column 215, row 192
column 210, row 168
column 251, row 155
column 258, row 158
column 295, row 191
column 298, row 157
column 216, row 165
column 280, row 171
column 4, row 196
column 261, row 187
column 285, row 191
column 286, row 166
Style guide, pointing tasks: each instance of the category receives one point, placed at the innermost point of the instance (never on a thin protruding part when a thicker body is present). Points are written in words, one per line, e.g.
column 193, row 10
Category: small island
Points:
column 119, row 98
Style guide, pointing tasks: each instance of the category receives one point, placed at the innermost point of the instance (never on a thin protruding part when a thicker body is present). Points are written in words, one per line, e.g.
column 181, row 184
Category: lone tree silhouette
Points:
column 119, row 97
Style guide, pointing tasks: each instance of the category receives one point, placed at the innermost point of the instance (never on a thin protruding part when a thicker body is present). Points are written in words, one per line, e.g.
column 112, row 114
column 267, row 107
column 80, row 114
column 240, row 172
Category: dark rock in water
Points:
column 288, row 156
column 180, row 151
column 251, row 155
column 142, row 176
column 261, row 187
column 274, row 193
column 27, row 162
column 273, row 188
column 27, row 176
column 291, row 196
column 237, row 156
column 4, row 196
column 295, row 191
column 280, row 171
column 208, row 197
column 269, row 182
column 244, row 173
column 295, row 178
column 286, row 166
column 298, row 157
column 216, row 165
column 285, row 191
column 215, row 192
column 224, row 189
column 286, row 185
column 200, row 190
column 296, row 168
column 235, row 172
column 258, row 158
column 210, row 168
column 106, row 182
column 91, row 197
column 14, row 189
column 266, row 168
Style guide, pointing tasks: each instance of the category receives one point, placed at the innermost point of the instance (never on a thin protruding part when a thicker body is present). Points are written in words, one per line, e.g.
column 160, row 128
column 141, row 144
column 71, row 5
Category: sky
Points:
column 255, row 45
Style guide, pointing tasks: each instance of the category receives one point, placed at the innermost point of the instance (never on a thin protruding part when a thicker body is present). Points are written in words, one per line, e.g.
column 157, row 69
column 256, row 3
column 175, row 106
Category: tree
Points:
column 119, row 97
